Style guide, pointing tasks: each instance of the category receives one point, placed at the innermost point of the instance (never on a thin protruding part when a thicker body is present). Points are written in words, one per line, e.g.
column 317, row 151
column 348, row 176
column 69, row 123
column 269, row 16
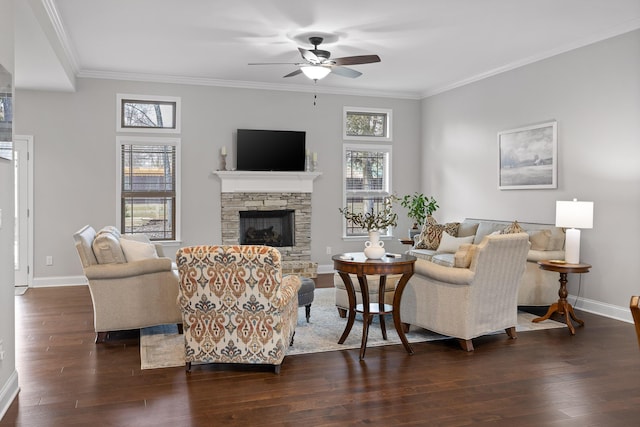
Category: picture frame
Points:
column 528, row 157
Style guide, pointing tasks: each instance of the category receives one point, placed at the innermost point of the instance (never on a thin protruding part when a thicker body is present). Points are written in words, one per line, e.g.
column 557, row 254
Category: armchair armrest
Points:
column 456, row 276
column 129, row 269
column 288, row 290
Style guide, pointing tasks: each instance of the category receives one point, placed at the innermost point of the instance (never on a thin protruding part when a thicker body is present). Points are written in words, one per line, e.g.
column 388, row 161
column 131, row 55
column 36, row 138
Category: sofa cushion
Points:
column 556, row 243
column 106, row 247
column 485, row 228
column 135, row 250
column 467, row 229
column 425, row 254
column 450, row 244
column 432, row 233
column 539, row 239
column 445, row 259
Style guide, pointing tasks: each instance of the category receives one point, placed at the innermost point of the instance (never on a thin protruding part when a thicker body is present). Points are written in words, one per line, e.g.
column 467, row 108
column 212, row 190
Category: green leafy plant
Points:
column 371, row 221
column 419, row 207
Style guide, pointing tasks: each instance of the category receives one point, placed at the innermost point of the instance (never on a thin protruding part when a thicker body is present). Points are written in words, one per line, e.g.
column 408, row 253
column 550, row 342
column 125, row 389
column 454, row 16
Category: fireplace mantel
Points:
column 266, row 182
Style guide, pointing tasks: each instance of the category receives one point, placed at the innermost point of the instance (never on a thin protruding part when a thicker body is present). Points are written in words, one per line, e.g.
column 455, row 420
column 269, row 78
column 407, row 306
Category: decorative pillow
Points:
column 556, row 242
column 464, row 254
column 513, row 228
column 450, row 244
column 432, row 233
column 106, row 248
column 467, row 229
column 540, row 239
column 137, row 251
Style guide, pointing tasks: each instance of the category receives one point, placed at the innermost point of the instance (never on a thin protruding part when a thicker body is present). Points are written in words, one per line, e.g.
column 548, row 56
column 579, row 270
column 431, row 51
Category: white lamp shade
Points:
column 574, row 214
column 315, row 72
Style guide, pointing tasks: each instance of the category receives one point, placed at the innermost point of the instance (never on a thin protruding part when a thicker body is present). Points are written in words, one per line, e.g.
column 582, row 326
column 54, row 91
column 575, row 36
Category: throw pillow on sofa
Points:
column 450, row 244
column 540, row 239
column 106, row 246
column 464, row 254
column 513, row 228
column 135, row 250
column 432, row 234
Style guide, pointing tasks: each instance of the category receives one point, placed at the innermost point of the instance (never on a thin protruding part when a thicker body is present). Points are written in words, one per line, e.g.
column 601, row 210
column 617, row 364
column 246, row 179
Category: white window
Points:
column 148, row 113
column 366, row 124
column 367, row 182
column 148, row 187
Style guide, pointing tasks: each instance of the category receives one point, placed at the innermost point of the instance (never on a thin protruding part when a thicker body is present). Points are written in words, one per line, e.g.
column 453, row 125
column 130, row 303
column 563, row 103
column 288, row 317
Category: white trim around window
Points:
column 159, row 140
column 148, row 98
column 385, row 135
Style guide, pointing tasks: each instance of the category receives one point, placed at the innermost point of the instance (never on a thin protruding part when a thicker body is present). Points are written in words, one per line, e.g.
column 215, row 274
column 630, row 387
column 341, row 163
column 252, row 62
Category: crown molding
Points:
column 627, row 27
column 202, row 81
column 56, row 22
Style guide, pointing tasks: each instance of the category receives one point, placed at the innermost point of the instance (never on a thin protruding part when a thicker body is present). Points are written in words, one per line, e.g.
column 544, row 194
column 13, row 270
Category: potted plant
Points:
column 419, row 208
column 373, row 223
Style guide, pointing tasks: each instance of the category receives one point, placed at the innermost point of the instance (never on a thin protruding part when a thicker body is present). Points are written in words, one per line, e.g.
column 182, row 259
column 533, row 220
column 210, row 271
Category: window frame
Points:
column 385, row 192
column 366, row 110
column 160, row 141
column 120, row 97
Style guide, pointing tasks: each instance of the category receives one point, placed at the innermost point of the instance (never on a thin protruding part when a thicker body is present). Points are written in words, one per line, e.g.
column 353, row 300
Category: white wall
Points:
column 594, row 94
column 75, row 159
column 8, row 374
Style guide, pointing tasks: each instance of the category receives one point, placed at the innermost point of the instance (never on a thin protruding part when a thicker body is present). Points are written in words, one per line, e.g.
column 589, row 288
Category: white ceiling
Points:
column 426, row 46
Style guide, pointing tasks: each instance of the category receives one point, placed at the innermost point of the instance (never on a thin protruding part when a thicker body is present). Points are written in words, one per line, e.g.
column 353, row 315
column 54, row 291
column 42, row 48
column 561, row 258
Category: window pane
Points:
column 365, row 170
column 151, row 216
column 148, row 114
column 149, row 190
column 362, row 205
column 366, row 124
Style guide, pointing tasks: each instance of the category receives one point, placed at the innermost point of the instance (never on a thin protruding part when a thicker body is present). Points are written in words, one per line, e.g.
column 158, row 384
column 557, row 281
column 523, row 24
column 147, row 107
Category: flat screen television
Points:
column 270, row 150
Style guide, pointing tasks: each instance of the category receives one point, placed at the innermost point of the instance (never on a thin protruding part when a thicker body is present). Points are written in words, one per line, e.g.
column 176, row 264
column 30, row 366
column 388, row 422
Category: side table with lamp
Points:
column 571, row 215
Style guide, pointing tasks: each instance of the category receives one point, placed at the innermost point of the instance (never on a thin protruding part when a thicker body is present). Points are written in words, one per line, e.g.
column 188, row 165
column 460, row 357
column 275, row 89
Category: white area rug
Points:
column 163, row 347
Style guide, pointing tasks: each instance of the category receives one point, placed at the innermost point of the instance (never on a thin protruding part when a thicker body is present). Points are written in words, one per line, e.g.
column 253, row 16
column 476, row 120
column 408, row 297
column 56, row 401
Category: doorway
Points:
column 23, row 228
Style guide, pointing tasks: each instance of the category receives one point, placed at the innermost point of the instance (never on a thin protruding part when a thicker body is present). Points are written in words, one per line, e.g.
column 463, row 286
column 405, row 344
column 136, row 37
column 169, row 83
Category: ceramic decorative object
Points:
column 374, row 247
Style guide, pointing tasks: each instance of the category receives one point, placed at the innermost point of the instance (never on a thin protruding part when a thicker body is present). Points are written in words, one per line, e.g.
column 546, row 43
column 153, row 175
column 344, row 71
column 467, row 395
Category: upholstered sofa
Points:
column 469, row 301
column 537, row 287
column 132, row 284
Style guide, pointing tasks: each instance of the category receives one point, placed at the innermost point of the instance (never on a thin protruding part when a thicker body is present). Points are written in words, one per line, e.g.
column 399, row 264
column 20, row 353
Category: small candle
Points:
column 223, row 151
column 315, row 157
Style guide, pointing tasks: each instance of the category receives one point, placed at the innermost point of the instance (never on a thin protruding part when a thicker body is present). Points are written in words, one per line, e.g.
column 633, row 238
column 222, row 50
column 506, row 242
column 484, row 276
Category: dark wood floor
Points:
column 544, row 378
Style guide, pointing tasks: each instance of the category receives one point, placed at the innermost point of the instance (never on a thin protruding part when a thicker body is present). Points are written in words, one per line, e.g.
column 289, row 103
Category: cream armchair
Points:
column 126, row 294
column 236, row 306
column 469, row 302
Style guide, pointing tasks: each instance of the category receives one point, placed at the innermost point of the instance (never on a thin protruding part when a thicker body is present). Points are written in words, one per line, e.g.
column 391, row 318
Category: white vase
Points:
column 374, row 247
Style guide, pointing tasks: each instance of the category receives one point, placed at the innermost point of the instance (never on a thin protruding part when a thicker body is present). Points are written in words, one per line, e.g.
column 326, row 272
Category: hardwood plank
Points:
column 544, row 378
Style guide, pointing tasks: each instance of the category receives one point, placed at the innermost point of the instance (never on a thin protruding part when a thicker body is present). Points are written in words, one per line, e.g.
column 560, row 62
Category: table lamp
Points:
column 572, row 216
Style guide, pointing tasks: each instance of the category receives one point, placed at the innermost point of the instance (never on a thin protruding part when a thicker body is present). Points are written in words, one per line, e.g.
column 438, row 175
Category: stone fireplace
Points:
column 260, row 195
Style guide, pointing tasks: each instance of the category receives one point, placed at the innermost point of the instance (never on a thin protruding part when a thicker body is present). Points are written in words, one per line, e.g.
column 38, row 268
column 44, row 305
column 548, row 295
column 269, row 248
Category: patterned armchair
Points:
column 236, row 306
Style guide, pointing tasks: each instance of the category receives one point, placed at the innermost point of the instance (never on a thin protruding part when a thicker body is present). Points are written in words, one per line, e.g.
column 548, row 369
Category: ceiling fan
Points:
column 318, row 64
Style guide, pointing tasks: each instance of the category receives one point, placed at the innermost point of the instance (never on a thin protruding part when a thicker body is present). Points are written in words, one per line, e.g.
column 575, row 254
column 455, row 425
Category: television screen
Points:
column 270, row 150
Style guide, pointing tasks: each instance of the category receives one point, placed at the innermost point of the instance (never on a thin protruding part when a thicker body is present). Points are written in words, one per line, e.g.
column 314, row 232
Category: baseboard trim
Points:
column 45, row 282
column 8, row 393
column 601, row 308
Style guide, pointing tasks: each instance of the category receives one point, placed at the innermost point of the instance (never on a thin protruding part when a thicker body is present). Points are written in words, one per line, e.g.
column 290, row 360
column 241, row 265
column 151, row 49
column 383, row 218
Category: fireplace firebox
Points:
column 271, row 228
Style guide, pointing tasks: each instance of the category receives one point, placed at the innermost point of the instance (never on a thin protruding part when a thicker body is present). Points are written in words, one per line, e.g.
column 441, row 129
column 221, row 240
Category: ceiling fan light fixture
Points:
column 315, row 72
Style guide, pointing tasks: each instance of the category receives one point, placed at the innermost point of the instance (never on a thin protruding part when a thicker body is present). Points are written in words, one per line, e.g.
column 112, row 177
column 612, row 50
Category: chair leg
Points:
column 307, row 311
column 187, row 367
column 180, row 328
column 512, row 332
column 291, row 342
column 467, row 345
column 342, row 312
column 277, row 369
column 405, row 327
column 101, row 337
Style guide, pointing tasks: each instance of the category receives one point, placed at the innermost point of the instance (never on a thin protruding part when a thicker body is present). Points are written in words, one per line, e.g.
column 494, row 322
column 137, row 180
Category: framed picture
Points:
column 528, row 157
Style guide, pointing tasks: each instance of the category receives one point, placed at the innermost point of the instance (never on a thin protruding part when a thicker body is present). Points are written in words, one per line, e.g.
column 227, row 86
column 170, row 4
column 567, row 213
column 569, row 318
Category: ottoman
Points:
column 305, row 295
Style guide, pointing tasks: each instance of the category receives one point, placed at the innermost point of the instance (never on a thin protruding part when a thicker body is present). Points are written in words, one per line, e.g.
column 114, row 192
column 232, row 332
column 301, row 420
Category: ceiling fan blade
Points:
column 293, row 73
column 309, row 56
column 346, row 72
column 356, row 60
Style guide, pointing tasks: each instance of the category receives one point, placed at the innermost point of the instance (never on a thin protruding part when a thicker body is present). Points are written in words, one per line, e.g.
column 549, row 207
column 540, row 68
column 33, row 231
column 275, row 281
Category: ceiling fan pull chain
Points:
column 315, row 92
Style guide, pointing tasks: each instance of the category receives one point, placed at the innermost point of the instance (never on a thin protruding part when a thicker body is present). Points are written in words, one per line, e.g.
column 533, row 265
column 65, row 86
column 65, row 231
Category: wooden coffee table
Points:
column 357, row 263
column 562, row 306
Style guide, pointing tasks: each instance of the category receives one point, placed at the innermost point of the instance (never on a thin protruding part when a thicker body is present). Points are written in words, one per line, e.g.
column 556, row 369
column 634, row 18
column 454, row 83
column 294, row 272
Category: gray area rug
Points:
column 163, row 347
